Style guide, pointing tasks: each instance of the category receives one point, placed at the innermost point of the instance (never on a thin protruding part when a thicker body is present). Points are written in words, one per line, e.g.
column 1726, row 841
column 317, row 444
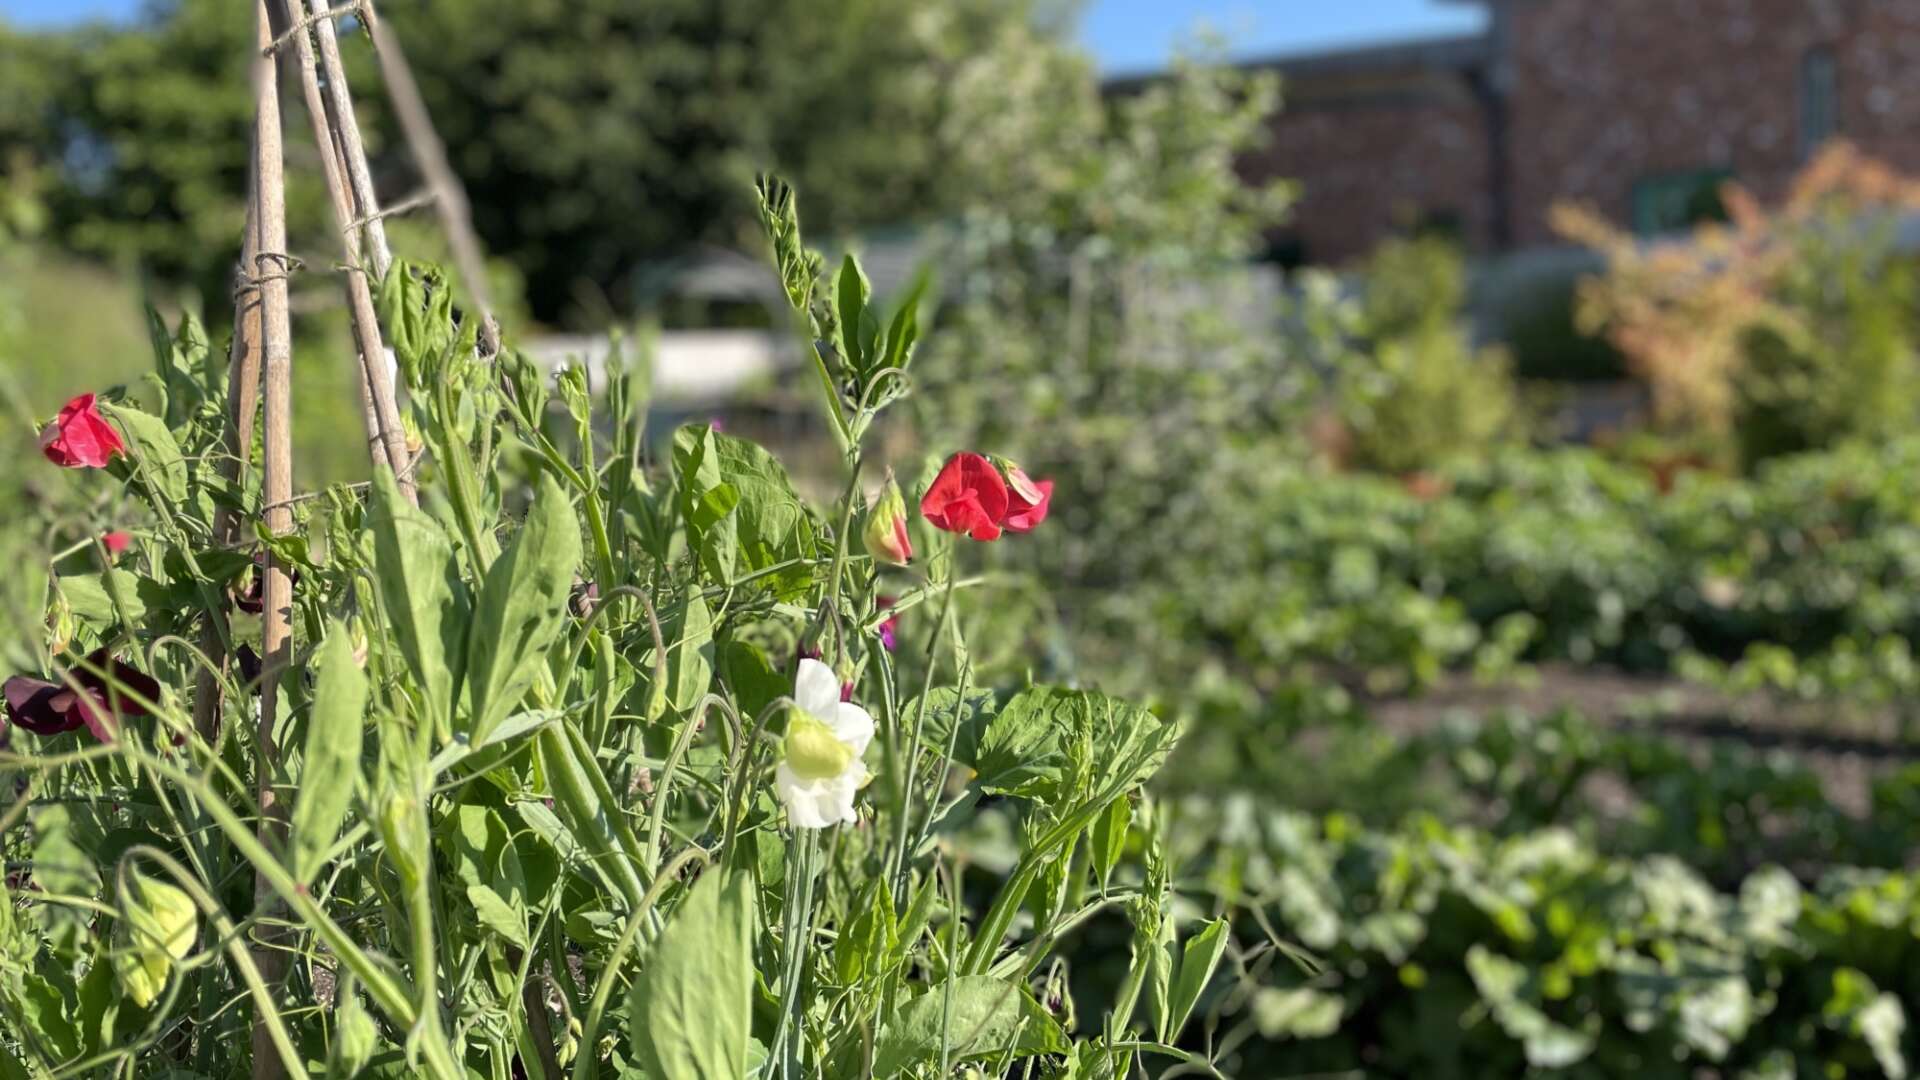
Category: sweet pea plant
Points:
column 589, row 764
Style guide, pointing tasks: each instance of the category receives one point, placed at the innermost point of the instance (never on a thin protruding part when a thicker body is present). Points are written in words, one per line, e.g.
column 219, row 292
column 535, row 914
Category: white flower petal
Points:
column 818, row 804
column 816, row 689
column 851, row 725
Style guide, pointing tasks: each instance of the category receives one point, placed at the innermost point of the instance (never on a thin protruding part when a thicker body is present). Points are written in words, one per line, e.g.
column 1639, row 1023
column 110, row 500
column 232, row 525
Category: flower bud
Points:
column 356, row 1037
column 528, row 380
column 403, row 830
column 158, row 923
column 886, row 532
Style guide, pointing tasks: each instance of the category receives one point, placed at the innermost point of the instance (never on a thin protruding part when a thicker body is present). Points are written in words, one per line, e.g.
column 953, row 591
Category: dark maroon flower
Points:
column 98, row 704
column 249, row 666
column 252, row 597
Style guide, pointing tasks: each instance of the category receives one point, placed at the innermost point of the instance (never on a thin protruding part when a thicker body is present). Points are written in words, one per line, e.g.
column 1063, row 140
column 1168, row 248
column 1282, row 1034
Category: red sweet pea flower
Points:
column 50, row 708
column 116, row 542
column 1027, row 499
column 967, row 497
column 80, row 437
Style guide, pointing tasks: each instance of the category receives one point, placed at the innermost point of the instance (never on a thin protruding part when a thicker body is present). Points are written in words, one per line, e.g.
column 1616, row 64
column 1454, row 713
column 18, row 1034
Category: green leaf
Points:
column 291, row 548
column 1877, row 1018
column 1510, row 992
column 741, row 512
column 745, row 669
column 688, row 631
column 1109, row 839
column 1030, row 746
column 945, row 709
column 331, row 768
column 707, row 501
column 149, row 440
column 869, row 940
column 1198, row 960
column 87, row 596
column 989, row 1018
column 421, row 595
column 905, row 328
column 1300, row 1013
column 522, row 606
column 64, row 838
column 497, row 915
column 694, row 997
column 481, row 849
column 850, row 302
column 47, row 1012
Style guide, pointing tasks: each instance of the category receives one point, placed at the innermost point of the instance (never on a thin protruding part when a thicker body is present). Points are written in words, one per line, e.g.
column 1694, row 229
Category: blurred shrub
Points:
column 1843, row 366
column 1096, row 328
column 1530, row 555
column 1413, row 390
column 1782, row 329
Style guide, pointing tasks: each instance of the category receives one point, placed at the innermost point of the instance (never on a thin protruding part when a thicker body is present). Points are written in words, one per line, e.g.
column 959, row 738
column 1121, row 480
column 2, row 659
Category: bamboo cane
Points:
column 271, row 265
column 386, row 439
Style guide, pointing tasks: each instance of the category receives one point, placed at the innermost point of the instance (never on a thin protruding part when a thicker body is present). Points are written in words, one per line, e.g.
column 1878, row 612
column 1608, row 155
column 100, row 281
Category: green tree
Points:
column 593, row 135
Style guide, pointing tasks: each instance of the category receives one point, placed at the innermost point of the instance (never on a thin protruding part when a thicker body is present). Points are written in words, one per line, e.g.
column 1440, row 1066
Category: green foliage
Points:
column 1412, row 389
column 1143, row 396
column 1532, row 555
column 519, row 610
column 1442, row 952
column 1843, row 366
column 694, row 998
column 547, row 762
column 973, row 1018
column 332, row 757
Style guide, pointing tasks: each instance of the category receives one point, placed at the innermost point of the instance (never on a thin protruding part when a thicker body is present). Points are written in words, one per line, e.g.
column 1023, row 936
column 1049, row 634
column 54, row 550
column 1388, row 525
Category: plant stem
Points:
column 798, row 919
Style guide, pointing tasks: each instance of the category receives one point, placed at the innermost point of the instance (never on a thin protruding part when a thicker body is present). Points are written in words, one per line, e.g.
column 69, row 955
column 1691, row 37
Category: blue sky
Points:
column 1131, row 35
column 1127, row 35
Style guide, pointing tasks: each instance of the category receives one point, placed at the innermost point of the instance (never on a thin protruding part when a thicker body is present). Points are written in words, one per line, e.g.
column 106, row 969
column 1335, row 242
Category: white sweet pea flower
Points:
column 820, row 768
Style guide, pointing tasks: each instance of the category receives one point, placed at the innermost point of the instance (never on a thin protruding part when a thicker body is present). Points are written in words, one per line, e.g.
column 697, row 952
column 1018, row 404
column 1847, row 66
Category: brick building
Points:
column 1639, row 107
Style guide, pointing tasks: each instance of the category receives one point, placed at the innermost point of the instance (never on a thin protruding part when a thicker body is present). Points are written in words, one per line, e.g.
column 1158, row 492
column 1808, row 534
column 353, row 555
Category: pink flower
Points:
column 80, row 437
column 116, row 542
column 968, row 497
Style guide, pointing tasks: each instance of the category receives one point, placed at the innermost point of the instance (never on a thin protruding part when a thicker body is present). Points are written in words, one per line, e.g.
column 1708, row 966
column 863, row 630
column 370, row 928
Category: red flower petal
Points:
column 1025, row 513
column 80, row 437
column 967, row 497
